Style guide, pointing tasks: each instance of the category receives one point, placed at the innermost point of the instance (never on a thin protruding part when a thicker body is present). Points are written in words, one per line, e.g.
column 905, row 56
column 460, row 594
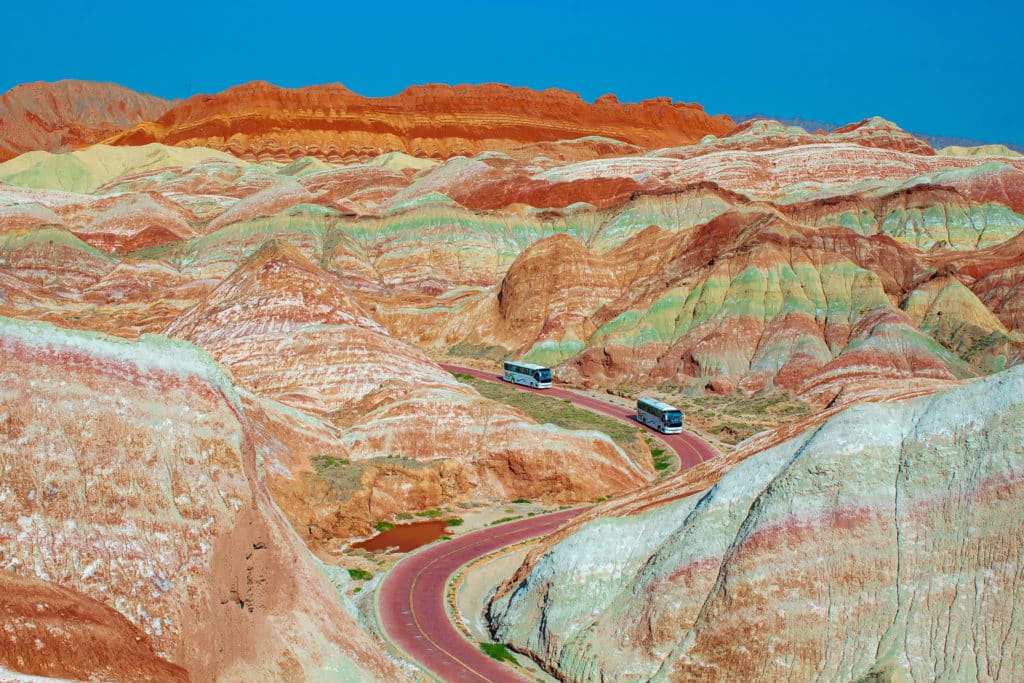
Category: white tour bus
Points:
column 663, row 417
column 528, row 374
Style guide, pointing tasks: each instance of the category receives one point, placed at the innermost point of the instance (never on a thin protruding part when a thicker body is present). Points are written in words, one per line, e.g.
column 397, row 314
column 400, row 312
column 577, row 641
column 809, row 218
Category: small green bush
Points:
column 520, row 500
column 360, row 574
column 431, row 514
column 454, row 521
column 383, row 525
column 503, row 520
column 403, row 515
column 499, row 652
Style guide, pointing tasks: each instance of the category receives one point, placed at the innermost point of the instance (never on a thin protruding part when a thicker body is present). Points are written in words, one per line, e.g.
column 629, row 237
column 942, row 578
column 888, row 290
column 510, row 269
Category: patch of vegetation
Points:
column 345, row 476
column 430, row 514
column 403, row 515
column 480, row 351
column 383, row 526
column 454, row 521
column 445, row 538
column 600, row 499
column 520, row 500
column 662, row 460
column 499, row 652
column 505, row 519
column 556, row 411
column 328, row 461
column 360, row 574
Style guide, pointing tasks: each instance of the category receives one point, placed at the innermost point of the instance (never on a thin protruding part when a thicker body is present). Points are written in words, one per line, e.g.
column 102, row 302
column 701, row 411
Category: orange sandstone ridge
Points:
column 261, row 121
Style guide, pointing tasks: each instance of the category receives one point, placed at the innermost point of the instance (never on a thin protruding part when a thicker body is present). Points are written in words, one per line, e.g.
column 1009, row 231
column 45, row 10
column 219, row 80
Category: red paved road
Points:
column 691, row 448
column 411, row 600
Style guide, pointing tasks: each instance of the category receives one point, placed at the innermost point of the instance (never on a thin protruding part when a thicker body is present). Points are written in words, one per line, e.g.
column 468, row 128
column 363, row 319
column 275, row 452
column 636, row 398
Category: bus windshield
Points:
column 673, row 418
column 542, row 375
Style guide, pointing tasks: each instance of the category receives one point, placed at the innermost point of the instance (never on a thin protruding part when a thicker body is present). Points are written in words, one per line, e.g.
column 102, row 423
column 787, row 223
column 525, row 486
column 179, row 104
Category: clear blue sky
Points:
column 945, row 68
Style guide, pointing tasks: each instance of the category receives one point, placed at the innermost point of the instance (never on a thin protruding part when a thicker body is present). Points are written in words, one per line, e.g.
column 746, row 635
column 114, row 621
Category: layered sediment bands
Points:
column 925, row 216
column 763, row 134
column 951, row 314
column 128, row 222
column 1002, row 290
column 129, row 477
column 89, row 169
column 429, row 248
column 57, row 633
column 57, row 117
column 555, row 276
column 328, row 380
column 896, row 525
column 292, row 332
column 261, row 121
column 52, row 259
column 763, row 304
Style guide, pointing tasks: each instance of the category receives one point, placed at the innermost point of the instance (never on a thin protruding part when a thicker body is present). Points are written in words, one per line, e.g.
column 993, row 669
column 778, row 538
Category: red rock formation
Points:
column 261, row 121
column 556, row 275
column 130, row 477
column 55, row 632
column 61, row 116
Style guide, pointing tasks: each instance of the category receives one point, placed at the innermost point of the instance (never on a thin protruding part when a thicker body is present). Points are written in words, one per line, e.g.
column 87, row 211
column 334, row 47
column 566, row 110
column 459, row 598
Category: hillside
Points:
column 882, row 543
column 64, row 115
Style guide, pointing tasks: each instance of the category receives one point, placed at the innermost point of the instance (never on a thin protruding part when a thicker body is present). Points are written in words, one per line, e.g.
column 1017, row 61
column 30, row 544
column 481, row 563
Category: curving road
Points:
column 411, row 599
column 690, row 448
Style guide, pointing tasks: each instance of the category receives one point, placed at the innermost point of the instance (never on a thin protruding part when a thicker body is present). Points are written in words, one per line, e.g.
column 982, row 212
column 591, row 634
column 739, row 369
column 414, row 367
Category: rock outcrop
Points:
column 884, row 542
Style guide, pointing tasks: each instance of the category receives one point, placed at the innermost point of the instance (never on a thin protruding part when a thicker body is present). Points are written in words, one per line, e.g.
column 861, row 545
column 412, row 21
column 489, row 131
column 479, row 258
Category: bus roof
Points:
column 528, row 366
column 655, row 403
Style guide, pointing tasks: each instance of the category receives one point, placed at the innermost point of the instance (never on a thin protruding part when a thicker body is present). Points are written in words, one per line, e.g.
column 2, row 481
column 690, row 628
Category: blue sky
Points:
column 944, row 68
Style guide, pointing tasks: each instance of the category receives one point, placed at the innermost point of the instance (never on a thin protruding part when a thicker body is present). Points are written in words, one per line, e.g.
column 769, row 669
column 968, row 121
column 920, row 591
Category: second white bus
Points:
column 659, row 415
column 527, row 374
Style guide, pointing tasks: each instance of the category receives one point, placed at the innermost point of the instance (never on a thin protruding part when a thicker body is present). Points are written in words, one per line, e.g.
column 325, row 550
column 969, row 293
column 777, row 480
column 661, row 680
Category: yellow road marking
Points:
column 412, row 609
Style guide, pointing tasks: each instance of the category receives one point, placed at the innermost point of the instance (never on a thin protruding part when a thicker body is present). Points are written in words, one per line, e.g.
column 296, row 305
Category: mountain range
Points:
column 223, row 321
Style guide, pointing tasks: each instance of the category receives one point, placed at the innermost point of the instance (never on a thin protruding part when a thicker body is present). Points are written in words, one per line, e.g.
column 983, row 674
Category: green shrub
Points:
column 504, row 519
column 403, row 515
column 520, row 500
column 383, row 525
column 432, row 513
column 499, row 652
column 360, row 574
column 454, row 521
